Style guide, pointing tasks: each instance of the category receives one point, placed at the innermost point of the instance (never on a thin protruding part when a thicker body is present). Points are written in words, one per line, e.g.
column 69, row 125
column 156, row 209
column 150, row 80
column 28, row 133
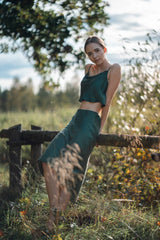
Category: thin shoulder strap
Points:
column 109, row 69
column 89, row 69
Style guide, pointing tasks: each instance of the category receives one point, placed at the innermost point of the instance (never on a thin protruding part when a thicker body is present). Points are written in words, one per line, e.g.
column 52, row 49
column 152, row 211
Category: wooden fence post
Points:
column 36, row 152
column 15, row 160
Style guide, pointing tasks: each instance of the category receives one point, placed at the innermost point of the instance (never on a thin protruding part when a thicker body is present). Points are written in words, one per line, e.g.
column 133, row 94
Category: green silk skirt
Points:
column 68, row 153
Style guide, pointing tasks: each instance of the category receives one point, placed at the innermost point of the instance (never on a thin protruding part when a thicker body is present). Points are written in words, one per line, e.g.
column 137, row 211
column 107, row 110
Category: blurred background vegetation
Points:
column 113, row 173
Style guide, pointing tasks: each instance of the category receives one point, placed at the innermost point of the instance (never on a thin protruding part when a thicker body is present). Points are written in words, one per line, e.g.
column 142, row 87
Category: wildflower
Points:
column 128, row 171
column 139, row 154
column 146, row 128
column 72, row 225
column 57, row 237
column 43, row 202
column 23, row 213
column 158, row 223
column 103, row 219
column 100, row 177
column 143, row 158
column 128, row 184
column 134, row 160
column 90, row 170
column 25, row 200
column 1, row 233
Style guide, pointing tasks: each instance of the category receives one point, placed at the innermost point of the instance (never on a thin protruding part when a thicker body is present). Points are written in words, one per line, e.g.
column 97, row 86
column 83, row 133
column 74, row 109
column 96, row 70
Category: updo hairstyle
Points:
column 94, row 39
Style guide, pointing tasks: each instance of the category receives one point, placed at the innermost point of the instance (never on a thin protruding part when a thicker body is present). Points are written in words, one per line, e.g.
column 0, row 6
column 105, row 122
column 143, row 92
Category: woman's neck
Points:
column 102, row 67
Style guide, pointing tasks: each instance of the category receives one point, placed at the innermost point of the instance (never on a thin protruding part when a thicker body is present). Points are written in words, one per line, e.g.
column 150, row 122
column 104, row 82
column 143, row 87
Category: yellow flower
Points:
column 128, row 171
column 128, row 184
column 26, row 200
column 57, row 237
column 118, row 155
column 139, row 154
column 21, row 200
column 100, row 177
column 90, row 170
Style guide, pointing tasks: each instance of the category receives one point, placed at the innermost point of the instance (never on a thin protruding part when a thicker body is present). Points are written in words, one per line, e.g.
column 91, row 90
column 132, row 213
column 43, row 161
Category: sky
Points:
column 129, row 21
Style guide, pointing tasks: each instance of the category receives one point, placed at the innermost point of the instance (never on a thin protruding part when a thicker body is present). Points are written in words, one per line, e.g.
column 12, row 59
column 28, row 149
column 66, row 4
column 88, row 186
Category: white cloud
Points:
column 130, row 21
column 16, row 65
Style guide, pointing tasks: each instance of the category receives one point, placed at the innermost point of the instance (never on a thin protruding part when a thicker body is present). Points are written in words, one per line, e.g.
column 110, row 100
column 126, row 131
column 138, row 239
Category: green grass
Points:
column 95, row 216
column 47, row 120
column 55, row 120
column 4, row 174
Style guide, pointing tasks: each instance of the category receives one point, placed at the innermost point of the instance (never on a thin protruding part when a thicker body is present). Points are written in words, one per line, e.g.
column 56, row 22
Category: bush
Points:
column 127, row 173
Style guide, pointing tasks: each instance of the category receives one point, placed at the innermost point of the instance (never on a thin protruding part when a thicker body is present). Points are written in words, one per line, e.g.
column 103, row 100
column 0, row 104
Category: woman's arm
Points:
column 113, row 82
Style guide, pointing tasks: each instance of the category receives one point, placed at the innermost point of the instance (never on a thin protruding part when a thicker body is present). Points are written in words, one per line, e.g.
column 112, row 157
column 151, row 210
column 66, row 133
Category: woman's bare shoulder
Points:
column 114, row 71
column 115, row 66
column 87, row 67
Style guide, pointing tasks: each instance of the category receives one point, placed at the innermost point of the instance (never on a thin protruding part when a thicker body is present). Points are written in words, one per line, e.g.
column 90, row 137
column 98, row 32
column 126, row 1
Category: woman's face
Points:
column 96, row 53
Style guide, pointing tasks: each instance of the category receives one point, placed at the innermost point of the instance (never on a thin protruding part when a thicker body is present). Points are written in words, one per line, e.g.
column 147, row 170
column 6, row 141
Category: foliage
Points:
column 54, row 120
column 120, row 195
column 22, row 98
column 18, row 98
column 121, row 172
column 94, row 216
column 112, row 173
column 47, row 30
column 138, row 98
column 126, row 174
column 4, row 174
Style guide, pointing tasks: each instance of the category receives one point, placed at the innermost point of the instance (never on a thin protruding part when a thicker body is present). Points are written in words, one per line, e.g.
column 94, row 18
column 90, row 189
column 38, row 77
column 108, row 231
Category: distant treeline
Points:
column 22, row 97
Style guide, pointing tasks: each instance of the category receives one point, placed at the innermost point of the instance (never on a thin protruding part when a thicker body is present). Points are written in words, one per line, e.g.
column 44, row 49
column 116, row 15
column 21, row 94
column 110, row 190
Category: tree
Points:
column 18, row 98
column 4, row 104
column 45, row 99
column 48, row 31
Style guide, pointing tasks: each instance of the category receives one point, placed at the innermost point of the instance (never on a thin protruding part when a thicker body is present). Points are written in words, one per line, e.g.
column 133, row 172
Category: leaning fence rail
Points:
column 16, row 137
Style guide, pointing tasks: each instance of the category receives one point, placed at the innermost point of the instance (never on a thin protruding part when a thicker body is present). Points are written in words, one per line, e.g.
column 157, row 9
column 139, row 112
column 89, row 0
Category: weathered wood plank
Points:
column 117, row 140
column 15, row 161
column 36, row 152
column 124, row 140
column 28, row 137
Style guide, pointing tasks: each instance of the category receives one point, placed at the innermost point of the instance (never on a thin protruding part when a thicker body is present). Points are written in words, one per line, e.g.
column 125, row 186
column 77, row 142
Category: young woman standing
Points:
column 78, row 138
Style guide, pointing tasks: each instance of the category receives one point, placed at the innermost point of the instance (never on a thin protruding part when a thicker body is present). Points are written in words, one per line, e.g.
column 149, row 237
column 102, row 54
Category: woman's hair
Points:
column 94, row 39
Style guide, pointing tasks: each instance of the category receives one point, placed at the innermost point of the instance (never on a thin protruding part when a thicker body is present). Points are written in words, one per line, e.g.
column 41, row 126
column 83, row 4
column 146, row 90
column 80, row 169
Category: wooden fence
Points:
column 36, row 137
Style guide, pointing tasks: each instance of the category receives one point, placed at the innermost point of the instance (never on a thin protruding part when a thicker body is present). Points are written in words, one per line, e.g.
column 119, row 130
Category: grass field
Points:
column 4, row 174
column 95, row 215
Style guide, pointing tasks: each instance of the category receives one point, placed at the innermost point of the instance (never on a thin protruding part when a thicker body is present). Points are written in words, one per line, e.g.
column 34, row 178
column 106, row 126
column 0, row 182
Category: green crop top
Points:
column 93, row 88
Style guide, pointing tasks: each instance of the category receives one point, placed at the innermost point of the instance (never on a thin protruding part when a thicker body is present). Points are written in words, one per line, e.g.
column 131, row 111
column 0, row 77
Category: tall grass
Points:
column 95, row 215
column 4, row 174
column 55, row 120
column 47, row 120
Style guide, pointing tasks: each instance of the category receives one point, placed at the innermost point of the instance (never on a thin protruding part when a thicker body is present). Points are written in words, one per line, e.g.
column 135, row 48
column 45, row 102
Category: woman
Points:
column 66, row 158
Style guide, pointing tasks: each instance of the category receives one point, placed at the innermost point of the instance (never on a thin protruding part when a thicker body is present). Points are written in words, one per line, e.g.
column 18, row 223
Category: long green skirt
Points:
column 68, row 153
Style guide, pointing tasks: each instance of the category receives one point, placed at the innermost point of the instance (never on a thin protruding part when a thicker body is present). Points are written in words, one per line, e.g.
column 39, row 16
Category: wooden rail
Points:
column 36, row 137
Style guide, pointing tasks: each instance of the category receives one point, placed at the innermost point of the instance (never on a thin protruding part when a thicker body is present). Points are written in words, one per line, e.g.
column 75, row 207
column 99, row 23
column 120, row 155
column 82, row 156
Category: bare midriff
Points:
column 91, row 106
